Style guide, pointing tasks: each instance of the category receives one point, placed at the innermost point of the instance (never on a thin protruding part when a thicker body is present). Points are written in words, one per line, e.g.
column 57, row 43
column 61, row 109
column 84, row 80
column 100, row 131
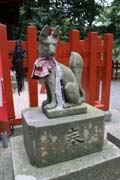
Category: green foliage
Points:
column 104, row 18
column 109, row 22
column 115, row 18
column 69, row 14
column 84, row 15
column 116, row 50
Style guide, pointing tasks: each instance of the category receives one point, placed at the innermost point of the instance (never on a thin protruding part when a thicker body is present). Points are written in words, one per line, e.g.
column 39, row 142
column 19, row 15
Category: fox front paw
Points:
column 51, row 105
column 44, row 103
column 67, row 105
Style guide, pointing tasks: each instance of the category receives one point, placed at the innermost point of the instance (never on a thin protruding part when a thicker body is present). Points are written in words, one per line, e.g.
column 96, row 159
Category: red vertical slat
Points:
column 98, row 72
column 6, row 71
column 74, row 40
column 108, row 39
column 32, row 49
column 92, row 38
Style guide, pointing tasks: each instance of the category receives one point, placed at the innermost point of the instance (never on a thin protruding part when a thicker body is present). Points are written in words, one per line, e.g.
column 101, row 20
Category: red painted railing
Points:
column 97, row 56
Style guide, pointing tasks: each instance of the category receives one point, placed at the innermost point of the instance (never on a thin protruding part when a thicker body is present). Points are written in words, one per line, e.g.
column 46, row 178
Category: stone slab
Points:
column 50, row 141
column 113, row 134
column 58, row 112
column 103, row 165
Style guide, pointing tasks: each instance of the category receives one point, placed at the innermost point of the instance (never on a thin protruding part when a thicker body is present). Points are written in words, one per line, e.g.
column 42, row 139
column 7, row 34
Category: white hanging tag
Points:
column 58, row 89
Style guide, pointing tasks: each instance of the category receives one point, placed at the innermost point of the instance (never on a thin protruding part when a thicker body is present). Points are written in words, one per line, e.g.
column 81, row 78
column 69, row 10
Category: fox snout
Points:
column 52, row 49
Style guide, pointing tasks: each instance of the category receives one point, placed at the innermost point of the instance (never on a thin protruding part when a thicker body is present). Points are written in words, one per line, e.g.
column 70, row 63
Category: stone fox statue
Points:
column 63, row 84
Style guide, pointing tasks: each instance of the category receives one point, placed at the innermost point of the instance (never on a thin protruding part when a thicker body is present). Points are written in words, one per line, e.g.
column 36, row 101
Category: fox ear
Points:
column 45, row 31
column 56, row 31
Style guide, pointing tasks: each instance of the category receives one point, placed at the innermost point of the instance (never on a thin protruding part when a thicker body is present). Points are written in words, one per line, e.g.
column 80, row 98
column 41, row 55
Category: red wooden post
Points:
column 92, row 39
column 108, row 39
column 32, row 49
column 6, row 71
column 98, row 71
column 3, row 105
column 75, row 40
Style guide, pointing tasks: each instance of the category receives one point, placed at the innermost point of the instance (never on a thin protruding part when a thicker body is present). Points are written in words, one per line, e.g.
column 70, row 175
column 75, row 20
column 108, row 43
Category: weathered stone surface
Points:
column 103, row 165
column 56, row 112
column 50, row 141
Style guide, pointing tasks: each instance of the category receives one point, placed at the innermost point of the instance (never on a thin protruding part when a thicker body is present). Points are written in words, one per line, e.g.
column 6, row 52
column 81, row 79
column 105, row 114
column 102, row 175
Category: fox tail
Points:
column 76, row 65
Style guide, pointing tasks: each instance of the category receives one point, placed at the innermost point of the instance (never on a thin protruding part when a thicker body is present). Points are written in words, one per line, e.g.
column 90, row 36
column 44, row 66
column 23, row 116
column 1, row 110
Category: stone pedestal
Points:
column 50, row 141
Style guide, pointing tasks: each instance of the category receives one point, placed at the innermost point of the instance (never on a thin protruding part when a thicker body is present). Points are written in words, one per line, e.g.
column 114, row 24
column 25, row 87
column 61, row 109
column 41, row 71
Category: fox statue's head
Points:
column 47, row 43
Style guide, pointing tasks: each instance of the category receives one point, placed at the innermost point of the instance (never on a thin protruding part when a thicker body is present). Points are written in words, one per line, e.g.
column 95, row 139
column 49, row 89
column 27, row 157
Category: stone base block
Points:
column 97, row 166
column 57, row 112
column 50, row 141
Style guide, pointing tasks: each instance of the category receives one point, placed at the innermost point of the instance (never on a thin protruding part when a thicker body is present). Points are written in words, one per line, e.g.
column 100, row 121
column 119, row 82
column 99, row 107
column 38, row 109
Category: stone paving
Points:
column 6, row 172
column 115, row 103
column 114, row 106
column 5, row 154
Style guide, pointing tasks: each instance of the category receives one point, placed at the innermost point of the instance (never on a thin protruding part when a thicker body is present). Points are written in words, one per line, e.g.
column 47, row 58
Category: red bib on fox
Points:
column 43, row 68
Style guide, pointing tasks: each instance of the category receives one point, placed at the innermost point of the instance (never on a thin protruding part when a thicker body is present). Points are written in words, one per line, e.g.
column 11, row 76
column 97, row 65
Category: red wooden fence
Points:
column 115, row 70
column 97, row 55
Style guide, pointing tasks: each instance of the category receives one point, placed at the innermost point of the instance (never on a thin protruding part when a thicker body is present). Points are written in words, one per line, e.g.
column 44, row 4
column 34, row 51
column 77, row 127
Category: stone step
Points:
column 113, row 134
column 97, row 166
